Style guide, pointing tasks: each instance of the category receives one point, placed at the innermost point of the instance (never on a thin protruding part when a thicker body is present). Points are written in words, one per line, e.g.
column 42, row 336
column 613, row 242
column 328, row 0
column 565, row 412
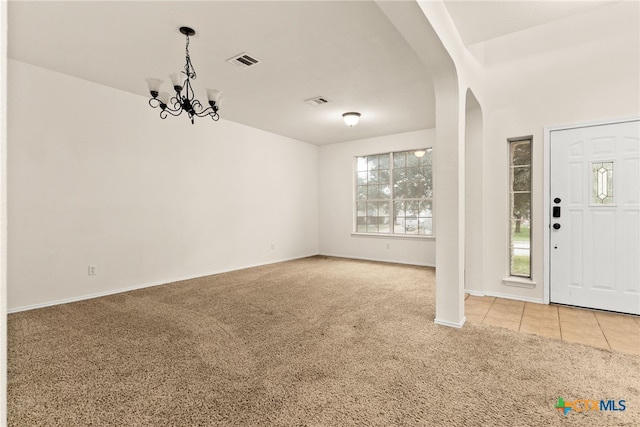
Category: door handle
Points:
column 556, row 211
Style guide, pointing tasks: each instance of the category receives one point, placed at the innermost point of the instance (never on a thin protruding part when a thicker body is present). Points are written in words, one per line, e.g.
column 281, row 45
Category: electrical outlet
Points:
column 92, row 270
column 388, row 245
column 273, row 246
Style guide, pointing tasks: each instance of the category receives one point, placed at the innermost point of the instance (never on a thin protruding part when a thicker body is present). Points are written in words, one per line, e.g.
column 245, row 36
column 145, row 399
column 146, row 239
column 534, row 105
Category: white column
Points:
column 449, row 219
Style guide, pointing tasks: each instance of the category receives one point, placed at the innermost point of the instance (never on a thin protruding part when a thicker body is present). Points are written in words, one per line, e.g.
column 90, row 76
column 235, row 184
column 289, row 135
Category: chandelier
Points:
column 184, row 99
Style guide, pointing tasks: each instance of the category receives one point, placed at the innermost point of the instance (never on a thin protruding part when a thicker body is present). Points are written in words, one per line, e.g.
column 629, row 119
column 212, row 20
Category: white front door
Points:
column 595, row 217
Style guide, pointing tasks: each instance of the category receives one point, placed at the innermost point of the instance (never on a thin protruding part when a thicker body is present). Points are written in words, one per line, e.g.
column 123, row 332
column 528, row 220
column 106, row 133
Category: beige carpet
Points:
column 312, row 342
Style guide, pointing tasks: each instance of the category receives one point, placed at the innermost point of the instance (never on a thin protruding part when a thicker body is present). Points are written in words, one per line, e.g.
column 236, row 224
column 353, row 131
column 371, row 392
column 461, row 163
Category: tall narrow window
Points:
column 520, row 207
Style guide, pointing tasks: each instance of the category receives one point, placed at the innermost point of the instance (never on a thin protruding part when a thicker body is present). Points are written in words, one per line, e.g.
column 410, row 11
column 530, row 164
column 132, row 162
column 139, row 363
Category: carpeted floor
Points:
column 312, row 342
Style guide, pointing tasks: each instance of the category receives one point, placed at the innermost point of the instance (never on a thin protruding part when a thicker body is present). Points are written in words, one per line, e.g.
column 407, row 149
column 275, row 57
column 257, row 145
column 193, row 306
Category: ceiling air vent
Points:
column 318, row 100
column 244, row 60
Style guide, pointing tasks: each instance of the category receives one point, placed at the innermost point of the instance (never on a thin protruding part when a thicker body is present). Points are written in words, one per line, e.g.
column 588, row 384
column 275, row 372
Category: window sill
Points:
column 519, row 282
column 395, row 236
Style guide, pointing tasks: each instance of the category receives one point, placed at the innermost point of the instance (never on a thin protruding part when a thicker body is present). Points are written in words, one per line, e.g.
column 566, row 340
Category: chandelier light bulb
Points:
column 154, row 86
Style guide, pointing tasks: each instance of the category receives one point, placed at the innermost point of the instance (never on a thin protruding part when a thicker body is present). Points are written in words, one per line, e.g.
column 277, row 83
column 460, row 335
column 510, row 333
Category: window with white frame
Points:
column 394, row 193
column 520, row 207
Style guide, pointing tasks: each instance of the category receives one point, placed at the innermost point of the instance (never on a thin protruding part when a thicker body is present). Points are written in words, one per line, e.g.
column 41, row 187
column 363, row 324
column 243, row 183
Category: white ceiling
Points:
column 345, row 51
column 481, row 20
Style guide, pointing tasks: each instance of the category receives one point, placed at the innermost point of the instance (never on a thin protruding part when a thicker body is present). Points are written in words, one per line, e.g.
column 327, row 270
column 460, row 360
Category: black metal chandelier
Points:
column 184, row 99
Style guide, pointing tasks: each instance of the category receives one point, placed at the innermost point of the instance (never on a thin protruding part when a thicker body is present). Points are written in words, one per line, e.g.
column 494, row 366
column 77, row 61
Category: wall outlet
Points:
column 92, row 270
column 273, row 246
column 388, row 245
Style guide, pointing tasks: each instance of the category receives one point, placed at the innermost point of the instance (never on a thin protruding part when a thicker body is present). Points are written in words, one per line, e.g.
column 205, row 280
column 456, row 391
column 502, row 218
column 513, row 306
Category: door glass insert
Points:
column 602, row 183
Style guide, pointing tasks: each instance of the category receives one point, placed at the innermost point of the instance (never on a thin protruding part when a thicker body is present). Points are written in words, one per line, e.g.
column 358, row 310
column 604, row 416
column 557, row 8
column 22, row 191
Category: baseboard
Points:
column 146, row 285
column 376, row 260
column 474, row 293
column 450, row 324
column 514, row 297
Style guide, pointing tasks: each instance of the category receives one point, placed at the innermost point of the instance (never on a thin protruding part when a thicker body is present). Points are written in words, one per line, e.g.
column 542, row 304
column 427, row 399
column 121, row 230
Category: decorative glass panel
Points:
column 602, row 183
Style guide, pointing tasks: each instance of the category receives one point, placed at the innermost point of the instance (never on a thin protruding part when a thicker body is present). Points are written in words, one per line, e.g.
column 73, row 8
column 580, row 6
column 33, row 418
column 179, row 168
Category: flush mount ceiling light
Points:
column 351, row 118
column 184, row 99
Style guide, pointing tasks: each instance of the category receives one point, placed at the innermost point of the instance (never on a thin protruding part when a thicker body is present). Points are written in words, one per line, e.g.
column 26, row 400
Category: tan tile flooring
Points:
column 613, row 331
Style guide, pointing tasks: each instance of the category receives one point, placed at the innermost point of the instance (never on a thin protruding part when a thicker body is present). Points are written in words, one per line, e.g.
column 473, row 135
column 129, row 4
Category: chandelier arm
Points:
column 197, row 106
column 207, row 112
column 173, row 112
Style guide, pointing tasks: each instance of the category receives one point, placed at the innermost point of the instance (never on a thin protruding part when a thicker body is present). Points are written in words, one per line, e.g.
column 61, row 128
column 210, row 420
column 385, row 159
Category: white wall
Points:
column 96, row 177
column 336, row 203
column 3, row 213
column 574, row 70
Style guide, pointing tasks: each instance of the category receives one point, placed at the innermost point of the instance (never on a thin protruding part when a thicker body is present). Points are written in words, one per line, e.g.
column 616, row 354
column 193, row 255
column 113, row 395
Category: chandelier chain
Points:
column 189, row 69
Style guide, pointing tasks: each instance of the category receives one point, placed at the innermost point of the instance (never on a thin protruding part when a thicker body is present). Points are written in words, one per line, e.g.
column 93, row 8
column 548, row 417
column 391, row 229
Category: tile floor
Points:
column 613, row 331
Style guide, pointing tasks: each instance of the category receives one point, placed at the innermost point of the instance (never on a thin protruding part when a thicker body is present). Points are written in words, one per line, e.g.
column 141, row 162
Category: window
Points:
column 394, row 193
column 602, row 183
column 520, row 207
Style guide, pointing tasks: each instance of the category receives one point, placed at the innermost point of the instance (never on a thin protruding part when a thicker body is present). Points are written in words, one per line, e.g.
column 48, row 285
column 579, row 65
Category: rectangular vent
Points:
column 244, row 60
column 318, row 100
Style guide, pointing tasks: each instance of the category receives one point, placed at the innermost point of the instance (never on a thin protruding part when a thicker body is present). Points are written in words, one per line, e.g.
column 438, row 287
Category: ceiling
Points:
column 481, row 20
column 345, row 51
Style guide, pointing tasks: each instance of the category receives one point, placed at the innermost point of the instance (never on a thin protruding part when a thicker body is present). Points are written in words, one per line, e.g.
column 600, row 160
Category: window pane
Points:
column 521, row 206
column 362, row 178
column 398, row 208
column 383, row 209
column 384, row 192
column 412, row 208
column 400, row 190
column 361, row 164
column 384, row 176
column 521, row 153
column 383, row 161
column 372, row 162
column 425, row 209
column 372, row 192
column 520, row 248
column 361, row 209
column 411, row 225
column 399, row 160
column 522, row 178
column 426, row 226
column 361, row 192
column 383, row 224
column 412, row 159
column 372, row 208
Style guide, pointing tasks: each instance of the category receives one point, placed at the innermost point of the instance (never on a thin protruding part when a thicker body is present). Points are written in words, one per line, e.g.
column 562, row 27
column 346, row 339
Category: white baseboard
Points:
column 514, row 297
column 145, row 285
column 376, row 259
column 450, row 324
column 474, row 293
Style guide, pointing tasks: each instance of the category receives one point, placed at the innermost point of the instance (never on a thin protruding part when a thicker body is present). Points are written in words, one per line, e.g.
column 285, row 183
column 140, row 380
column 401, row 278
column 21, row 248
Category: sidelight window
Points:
column 520, row 207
